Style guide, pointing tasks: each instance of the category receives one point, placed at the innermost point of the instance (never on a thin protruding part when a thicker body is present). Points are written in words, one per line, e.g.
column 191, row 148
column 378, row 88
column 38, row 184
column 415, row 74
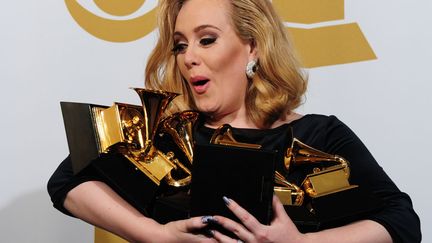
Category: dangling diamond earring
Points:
column 251, row 68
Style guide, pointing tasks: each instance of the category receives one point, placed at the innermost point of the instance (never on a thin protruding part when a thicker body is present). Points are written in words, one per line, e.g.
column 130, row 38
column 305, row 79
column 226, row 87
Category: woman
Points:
column 232, row 61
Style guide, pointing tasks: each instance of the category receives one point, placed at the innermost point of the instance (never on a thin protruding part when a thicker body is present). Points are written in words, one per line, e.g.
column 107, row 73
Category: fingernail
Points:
column 226, row 200
column 208, row 219
column 205, row 219
column 209, row 233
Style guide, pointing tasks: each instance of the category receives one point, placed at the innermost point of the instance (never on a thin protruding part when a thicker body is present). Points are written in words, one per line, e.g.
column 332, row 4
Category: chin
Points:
column 207, row 110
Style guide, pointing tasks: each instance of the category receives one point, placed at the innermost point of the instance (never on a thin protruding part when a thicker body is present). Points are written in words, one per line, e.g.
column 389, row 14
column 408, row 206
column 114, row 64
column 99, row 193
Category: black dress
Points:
column 325, row 133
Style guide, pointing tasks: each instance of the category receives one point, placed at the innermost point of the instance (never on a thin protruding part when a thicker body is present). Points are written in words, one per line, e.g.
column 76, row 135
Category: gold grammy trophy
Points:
column 135, row 150
column 331, row 178
column 324, row 179
column 324, row 197
column 125, row 136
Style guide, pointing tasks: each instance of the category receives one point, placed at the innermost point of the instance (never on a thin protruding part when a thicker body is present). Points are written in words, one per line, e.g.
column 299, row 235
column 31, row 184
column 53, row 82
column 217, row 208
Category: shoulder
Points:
column 321, row 131
column 316, row 122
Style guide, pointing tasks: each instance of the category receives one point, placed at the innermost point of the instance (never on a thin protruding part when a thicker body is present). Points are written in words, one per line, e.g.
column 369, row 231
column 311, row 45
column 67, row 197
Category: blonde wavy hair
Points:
column 279, row 84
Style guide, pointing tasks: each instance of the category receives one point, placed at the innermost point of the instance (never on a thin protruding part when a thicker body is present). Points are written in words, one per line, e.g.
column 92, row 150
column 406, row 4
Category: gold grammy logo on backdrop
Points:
column 328, row 45
column 110, row 29
column 317, row 46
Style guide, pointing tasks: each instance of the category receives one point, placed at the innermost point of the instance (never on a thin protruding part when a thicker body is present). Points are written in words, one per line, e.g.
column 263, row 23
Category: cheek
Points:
column 230, row 61
column 180, row 65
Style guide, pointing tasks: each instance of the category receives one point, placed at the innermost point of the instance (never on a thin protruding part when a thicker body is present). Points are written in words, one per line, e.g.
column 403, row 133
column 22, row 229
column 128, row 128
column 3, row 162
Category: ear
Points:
column 253, row 53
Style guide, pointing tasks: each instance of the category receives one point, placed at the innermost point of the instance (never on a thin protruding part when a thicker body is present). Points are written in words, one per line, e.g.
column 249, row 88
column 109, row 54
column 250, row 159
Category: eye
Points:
column 179, row 48
column 207, row 41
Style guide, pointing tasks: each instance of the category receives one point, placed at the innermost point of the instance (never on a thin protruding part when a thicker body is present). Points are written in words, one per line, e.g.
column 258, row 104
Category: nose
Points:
column 191, row 57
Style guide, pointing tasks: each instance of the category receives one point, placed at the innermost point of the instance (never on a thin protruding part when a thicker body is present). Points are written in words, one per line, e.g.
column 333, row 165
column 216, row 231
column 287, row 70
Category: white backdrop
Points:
column 47, row 58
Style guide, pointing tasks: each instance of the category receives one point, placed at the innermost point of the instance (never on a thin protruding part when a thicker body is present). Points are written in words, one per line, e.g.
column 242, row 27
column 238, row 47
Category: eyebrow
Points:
column 198, row 28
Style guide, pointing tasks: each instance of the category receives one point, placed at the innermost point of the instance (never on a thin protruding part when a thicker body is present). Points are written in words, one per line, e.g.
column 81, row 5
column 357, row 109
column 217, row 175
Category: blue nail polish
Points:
column 207, row 219
column 226, row 200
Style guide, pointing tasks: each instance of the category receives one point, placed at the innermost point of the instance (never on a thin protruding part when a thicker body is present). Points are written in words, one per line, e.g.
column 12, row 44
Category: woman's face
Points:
column 211, row 57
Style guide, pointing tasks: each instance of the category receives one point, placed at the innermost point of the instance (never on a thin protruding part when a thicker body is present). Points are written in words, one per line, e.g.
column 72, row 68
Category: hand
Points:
column 281, row 229
column 187, row 230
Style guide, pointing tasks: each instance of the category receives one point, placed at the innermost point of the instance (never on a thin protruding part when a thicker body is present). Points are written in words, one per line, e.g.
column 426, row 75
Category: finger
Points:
column 245, row 217
column 222, row 238
column 278, row 208
column 196, row 223
column 280, row 213
column 236, row 228
column 188, row 230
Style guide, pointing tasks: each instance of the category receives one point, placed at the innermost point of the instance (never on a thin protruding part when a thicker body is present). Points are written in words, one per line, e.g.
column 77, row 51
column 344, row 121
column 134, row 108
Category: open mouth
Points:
column 200, row 82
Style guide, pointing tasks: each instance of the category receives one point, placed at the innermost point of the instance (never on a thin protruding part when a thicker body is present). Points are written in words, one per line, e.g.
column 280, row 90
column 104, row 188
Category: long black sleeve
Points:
column 332, row 136
column 63, row 180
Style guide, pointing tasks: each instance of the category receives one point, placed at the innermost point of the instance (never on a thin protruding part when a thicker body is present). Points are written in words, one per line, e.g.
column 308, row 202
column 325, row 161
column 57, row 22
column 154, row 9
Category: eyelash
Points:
column 178, row 47
column 207, row 41
column 181, row 47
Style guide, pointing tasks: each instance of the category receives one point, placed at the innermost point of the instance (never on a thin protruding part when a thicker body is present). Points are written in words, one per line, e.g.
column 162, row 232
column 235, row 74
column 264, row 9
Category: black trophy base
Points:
column 333, row 210
column 244, row 175
column 170, row 208
column 81, row 133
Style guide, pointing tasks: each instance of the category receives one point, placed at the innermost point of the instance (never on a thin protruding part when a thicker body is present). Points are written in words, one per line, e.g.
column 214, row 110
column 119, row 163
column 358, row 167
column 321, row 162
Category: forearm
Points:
column 357, row 232
column 97, row 204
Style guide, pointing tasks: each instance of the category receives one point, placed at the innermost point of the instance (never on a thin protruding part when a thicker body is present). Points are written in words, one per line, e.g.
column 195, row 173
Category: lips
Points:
column 199, row 84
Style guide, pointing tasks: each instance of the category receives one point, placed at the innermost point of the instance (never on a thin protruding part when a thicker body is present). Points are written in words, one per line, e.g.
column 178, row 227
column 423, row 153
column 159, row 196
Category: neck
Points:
column 287, row 118
column 244, row 122
column 237, row 119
